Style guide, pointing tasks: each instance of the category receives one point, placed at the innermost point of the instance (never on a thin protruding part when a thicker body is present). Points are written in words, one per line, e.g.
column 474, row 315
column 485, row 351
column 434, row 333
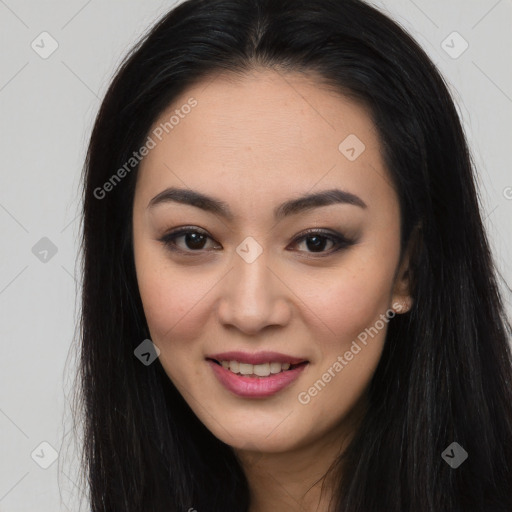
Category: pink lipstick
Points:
column 255, row 386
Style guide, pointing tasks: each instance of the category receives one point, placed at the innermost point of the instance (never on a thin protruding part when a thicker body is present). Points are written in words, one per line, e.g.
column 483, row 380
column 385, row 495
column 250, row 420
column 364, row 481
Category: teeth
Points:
column 260, row 370
column 275, row 367
column 245, row 369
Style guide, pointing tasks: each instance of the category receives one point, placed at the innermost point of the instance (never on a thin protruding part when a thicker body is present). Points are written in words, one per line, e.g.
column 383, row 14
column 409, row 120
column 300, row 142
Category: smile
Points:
column 255, row 381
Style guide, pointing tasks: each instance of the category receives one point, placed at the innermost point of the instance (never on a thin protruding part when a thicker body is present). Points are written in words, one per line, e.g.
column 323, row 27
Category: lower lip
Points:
column 255, row 387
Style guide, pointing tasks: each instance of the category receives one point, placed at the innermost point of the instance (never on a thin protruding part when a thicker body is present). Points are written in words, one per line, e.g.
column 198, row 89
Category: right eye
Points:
column 194, row 240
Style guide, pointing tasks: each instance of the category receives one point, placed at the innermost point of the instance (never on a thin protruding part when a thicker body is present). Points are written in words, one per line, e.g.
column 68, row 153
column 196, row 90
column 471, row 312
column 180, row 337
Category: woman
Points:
column 289, row 299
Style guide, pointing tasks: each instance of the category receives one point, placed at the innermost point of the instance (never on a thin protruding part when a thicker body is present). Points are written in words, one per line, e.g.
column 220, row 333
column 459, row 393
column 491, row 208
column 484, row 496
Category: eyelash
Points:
column 340, row 241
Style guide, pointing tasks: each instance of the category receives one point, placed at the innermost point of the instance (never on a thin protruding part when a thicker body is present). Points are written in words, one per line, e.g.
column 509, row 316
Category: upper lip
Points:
column 256, row 357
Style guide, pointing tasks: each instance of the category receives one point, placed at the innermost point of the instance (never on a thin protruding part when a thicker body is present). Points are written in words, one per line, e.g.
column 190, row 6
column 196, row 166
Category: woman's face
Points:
column 248, row 277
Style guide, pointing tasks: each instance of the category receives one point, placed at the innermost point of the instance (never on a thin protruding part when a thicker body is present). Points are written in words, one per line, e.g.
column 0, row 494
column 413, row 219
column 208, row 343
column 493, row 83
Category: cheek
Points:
column 173, row 300
column 175, row 308
column 353, row 309
column 343, row 304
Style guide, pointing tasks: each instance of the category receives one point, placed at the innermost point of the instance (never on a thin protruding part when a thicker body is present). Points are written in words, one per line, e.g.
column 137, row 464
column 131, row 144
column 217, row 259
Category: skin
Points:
column 254, row 142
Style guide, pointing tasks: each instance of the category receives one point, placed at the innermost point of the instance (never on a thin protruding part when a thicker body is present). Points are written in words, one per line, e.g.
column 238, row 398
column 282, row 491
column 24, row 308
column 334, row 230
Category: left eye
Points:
column 317, row 242
column 195, row 241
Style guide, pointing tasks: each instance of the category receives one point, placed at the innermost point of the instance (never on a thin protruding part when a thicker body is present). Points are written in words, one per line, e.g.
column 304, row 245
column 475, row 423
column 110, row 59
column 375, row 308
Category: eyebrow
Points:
column 290, row 207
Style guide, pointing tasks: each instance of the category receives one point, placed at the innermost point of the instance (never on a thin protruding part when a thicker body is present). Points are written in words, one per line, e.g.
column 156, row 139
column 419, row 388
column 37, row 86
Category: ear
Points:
column 402, row 296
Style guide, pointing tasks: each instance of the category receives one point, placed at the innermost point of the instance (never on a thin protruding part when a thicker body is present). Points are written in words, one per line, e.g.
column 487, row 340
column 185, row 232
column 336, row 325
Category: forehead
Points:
column 267, row 131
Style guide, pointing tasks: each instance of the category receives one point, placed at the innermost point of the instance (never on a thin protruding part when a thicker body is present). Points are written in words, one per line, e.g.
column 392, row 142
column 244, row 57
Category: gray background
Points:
column 47, row 107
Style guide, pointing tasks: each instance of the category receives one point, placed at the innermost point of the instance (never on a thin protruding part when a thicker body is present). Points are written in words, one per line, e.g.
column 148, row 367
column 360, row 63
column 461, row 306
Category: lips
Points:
column 256, row 387
column 257, row 357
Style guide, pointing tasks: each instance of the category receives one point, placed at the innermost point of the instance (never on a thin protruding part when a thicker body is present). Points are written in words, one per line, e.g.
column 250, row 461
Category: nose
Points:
column 253, row 296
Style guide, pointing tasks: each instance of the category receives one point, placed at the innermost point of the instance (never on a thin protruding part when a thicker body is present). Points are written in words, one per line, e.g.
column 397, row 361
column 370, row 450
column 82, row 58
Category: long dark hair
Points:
column 445, row 374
